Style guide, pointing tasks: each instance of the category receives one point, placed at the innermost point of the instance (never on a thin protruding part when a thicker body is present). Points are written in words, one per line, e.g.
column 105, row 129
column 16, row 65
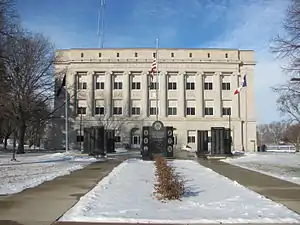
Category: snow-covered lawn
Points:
column 33, row 169
column 126, row 195
column 285, row 166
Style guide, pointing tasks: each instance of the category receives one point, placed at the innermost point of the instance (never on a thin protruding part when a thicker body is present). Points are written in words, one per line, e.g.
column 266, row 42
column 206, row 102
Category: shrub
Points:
column 169, row 186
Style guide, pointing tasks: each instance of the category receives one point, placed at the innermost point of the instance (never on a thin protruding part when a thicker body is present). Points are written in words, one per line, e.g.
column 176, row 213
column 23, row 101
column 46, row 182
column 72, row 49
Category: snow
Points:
column 284, row 166
column 34, row 169
column 126, row 195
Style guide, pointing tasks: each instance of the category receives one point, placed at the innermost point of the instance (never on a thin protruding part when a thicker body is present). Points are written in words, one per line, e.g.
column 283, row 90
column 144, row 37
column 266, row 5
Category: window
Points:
column 82, row 85
column 117, row 111
column 208, row 86
column 154, row 54
column 226, row 111
column 100, row 55
column 153, row 85
column 172, row 111
column 81, row 110
column 118, row 54
column 172, row 54
column 190, row 111
column 191, row 55
column 99, row 110
column 226, row 55
column 118, row 85
column 191, row 139
column 136, row 85
column 209, row 111
column 226, row 86
column 190, row 86
column 172, row 86
column 152, row 111
column 100, row 85
column 80, row 138
column 81, row 54
column 135, row 111
column 117, row 138
column 135, row 54
column 208, row 55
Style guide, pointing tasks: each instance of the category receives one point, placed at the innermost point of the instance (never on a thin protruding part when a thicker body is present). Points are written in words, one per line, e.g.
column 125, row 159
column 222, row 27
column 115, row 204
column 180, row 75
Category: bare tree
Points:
column 28, row 63
column 288, row 46
column 292, row 136
column 289, row 100
column 272, row 133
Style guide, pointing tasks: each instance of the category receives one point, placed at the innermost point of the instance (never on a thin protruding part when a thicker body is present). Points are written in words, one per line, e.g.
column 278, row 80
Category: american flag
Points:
column 153, row 69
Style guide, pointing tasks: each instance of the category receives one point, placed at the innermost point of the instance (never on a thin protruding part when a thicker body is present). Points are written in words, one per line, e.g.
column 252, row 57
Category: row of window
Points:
column 153, row 55
column 172, row 111
column 137, row 86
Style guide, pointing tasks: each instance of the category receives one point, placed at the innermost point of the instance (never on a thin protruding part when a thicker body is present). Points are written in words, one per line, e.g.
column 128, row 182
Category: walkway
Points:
column 280, row 191
column 45, row 203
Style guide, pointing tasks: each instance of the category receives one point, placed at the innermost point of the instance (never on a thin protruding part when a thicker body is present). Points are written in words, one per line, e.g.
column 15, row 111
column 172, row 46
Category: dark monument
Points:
column 220, row 141
column 110, row 141
column 202, row 142
column 98, row 141
column 157, row 140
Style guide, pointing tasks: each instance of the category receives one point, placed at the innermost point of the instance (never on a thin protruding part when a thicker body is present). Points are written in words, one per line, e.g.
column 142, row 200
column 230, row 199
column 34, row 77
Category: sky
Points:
column 242, row 24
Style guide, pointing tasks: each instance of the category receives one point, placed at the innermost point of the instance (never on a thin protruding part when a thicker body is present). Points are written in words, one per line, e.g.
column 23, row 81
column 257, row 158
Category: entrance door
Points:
column 135, row 141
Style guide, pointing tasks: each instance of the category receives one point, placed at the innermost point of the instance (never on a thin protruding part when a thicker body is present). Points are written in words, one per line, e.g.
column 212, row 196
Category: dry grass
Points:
column 169, row 186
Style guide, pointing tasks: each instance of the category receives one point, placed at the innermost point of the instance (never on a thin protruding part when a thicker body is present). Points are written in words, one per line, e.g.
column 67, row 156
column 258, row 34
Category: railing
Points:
column 280, row 148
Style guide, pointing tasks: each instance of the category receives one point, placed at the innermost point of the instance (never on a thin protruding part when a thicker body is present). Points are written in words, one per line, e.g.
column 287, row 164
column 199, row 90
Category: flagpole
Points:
column 66, row 119
column 246, row 119
column 157, row 78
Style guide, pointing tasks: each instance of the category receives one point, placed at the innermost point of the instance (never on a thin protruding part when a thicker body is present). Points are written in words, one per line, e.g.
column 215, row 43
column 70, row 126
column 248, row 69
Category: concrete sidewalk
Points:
column 280, row 191
column 47, row 202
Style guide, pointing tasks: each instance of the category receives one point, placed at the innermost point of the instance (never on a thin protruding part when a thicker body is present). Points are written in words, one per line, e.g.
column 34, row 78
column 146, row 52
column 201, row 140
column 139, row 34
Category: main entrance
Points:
column 135, row 141
column 135, row 138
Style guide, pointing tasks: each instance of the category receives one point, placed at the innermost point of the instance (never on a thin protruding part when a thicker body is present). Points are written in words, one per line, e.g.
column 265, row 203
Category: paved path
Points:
column 47, row 202
column 280, row 191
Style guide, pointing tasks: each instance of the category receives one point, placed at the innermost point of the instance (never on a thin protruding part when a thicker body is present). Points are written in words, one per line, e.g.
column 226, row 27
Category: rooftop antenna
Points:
column 100, row 31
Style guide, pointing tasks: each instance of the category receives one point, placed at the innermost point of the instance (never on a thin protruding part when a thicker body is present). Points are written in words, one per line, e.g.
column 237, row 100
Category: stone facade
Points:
column 111, row 86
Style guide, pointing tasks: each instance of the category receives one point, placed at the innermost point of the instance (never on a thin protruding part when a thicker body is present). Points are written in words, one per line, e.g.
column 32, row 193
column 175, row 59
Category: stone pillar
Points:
column 126, row 93
column 181, row 94
column 235, row 105
column 108, row 93
column 199, row 95
column 145, row 91
column 90, row 94
column 218, row 94
column 163, row 94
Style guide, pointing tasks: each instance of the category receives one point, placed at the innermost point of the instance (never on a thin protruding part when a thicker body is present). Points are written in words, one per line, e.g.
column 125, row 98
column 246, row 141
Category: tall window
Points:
column 226, row 86
column 208, row 86
column 208, row 111
column 100, row 85
column 118, row 85
column 172, row 86
column 136, row 85
column 190, row 86
column 226, row 111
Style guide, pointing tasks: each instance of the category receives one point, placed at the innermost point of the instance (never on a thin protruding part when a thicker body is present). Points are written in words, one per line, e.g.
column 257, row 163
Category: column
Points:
column 90, row 94
column 235, row 105
column 218, row 93
column 145, row 91
column 108, row 93
column 163, row 94
column 75, row 95
column 126, row 93
column 181, row 94
column 199, row 95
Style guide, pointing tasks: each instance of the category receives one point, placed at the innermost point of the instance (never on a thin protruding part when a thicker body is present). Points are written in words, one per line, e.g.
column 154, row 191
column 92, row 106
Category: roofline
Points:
column 142, row 48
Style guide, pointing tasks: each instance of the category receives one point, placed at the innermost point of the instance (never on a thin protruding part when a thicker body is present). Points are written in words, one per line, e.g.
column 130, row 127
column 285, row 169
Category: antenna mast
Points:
column 101, row 17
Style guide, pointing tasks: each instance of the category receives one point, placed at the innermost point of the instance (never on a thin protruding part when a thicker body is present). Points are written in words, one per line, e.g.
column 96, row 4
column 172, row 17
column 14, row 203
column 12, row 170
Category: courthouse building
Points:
column 112, row 87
